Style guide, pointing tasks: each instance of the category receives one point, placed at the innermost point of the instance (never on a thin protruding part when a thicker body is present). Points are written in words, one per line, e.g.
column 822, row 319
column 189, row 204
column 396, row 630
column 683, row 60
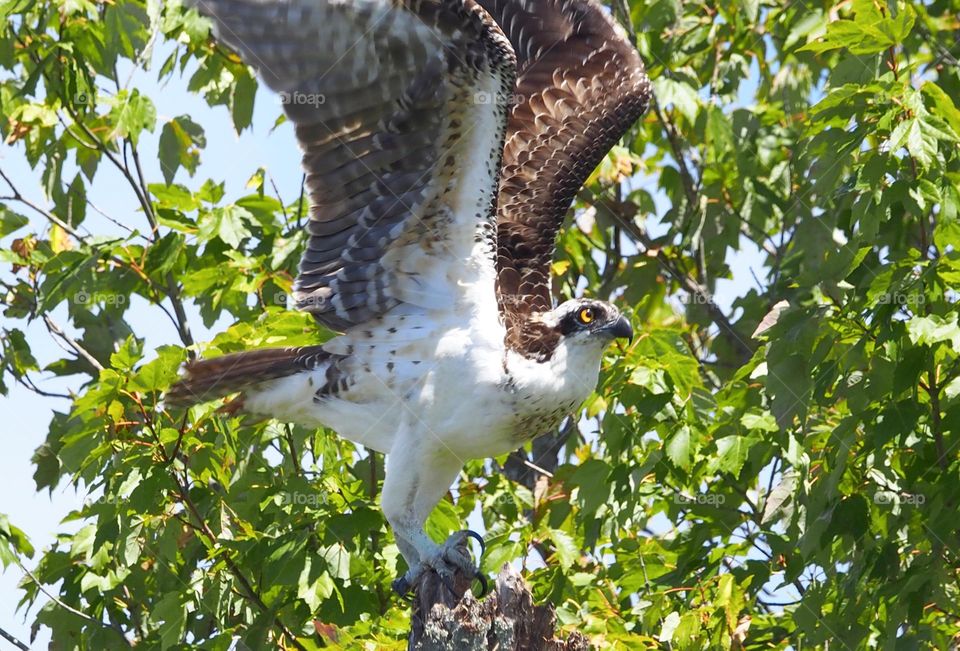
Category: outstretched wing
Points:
column 580, row 86
column 400, row 109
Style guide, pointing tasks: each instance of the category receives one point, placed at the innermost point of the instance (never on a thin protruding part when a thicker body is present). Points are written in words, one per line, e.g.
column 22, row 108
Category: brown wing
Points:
column 580, row 86
column 400, row 109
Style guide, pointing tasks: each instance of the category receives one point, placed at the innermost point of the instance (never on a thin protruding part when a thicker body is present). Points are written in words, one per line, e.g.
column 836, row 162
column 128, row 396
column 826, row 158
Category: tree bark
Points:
column 505, row 620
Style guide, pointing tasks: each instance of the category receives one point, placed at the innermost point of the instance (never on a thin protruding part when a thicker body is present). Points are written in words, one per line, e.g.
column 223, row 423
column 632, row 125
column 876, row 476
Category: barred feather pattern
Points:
column 580, row 86
column 401, row 158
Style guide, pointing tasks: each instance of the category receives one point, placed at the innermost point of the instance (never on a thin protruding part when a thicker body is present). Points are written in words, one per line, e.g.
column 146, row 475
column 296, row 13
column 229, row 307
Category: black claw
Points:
column 478, row 538
column 481, row 577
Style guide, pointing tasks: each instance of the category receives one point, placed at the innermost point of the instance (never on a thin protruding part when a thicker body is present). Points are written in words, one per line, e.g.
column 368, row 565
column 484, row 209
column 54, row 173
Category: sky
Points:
column 228, row 158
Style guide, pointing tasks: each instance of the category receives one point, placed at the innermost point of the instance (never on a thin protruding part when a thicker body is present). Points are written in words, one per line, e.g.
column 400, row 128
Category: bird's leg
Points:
column 415, row 481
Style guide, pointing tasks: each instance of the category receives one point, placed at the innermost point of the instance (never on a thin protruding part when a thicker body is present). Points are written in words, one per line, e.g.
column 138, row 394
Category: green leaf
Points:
column 869, row 31
column 943, row 105
column 241, row 101
column 669, row 627
column 680, row 448
column 170, row 617
column 934, row 329
column 174, row 196
column 131, row 114
column 733, row 451
column 947, row 230
column 592, row 481
column 314, row 586
column 226, row 223
column 566, row 550
column 762, row 421
column 180, row 143
column 13, row 543
column 161, row 372
column 681, row 95
column 10, row 221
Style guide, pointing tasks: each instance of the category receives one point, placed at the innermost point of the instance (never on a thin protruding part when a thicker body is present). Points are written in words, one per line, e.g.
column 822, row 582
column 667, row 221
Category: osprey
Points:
column 443, row 143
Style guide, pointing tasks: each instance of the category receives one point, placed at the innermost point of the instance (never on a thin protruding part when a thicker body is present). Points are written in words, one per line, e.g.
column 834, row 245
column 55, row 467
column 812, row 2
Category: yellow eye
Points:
column 586, row 315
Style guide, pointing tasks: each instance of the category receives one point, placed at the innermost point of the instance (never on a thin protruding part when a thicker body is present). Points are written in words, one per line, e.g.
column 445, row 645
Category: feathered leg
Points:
column 417, row 477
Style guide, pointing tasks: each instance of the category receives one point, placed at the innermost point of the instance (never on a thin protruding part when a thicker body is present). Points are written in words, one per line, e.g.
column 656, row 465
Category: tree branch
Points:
column 173, row 290
column 201, row 527
column 690, row 285
column 79, row 613
column 251, row 592
column 53, row 219
column 139, row 187
column 54, row 329
column 31, row 386
column 14, row 641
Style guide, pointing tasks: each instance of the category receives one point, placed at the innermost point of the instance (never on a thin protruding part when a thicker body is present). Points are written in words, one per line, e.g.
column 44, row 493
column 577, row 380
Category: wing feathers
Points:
column 580, row 87
column 383, row 97
column 380, row 93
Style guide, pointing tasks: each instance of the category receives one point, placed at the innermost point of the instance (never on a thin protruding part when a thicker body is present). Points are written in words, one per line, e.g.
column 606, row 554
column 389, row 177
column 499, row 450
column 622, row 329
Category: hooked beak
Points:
column 621, row 329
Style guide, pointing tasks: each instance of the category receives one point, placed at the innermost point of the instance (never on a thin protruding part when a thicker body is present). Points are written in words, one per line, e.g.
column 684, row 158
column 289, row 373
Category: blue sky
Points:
column 227, row 157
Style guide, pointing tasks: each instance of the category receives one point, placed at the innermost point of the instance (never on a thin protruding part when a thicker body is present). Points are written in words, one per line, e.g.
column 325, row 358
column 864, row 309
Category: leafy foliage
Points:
column 719, row 490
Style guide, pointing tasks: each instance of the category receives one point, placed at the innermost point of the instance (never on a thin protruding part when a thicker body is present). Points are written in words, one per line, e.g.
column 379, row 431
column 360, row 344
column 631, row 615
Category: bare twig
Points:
column 303, row 186
column 294, row 455
column 173, row 290
column 49, row 216
column 14, row 641
column 31, row 386
column 71, row 342
column 276, row 191
column 79, row 613
column 674, row 139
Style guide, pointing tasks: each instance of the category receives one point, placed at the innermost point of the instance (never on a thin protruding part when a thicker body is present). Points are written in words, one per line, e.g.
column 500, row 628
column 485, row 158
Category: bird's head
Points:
column 585, row 328
column 573, row 337
column 585, row 321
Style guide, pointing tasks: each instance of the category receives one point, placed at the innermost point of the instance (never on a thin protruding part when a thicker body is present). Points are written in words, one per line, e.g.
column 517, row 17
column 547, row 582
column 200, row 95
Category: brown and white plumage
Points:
column 443, row 141
column 580, row 86
column 381, row 95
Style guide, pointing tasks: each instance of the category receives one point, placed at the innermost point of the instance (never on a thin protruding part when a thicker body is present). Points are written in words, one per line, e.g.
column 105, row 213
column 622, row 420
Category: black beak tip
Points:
column 622, row 329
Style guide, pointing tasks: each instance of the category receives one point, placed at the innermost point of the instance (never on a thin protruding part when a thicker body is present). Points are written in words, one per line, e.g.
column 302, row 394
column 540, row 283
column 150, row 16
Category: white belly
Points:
column 452, row 386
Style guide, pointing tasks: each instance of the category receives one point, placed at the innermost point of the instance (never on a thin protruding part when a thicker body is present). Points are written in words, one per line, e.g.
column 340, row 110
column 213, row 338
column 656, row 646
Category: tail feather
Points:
column 208, row 379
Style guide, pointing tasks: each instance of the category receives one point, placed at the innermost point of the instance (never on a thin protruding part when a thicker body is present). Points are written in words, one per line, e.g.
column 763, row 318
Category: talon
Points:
column 478, row 538
column 481, row 577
